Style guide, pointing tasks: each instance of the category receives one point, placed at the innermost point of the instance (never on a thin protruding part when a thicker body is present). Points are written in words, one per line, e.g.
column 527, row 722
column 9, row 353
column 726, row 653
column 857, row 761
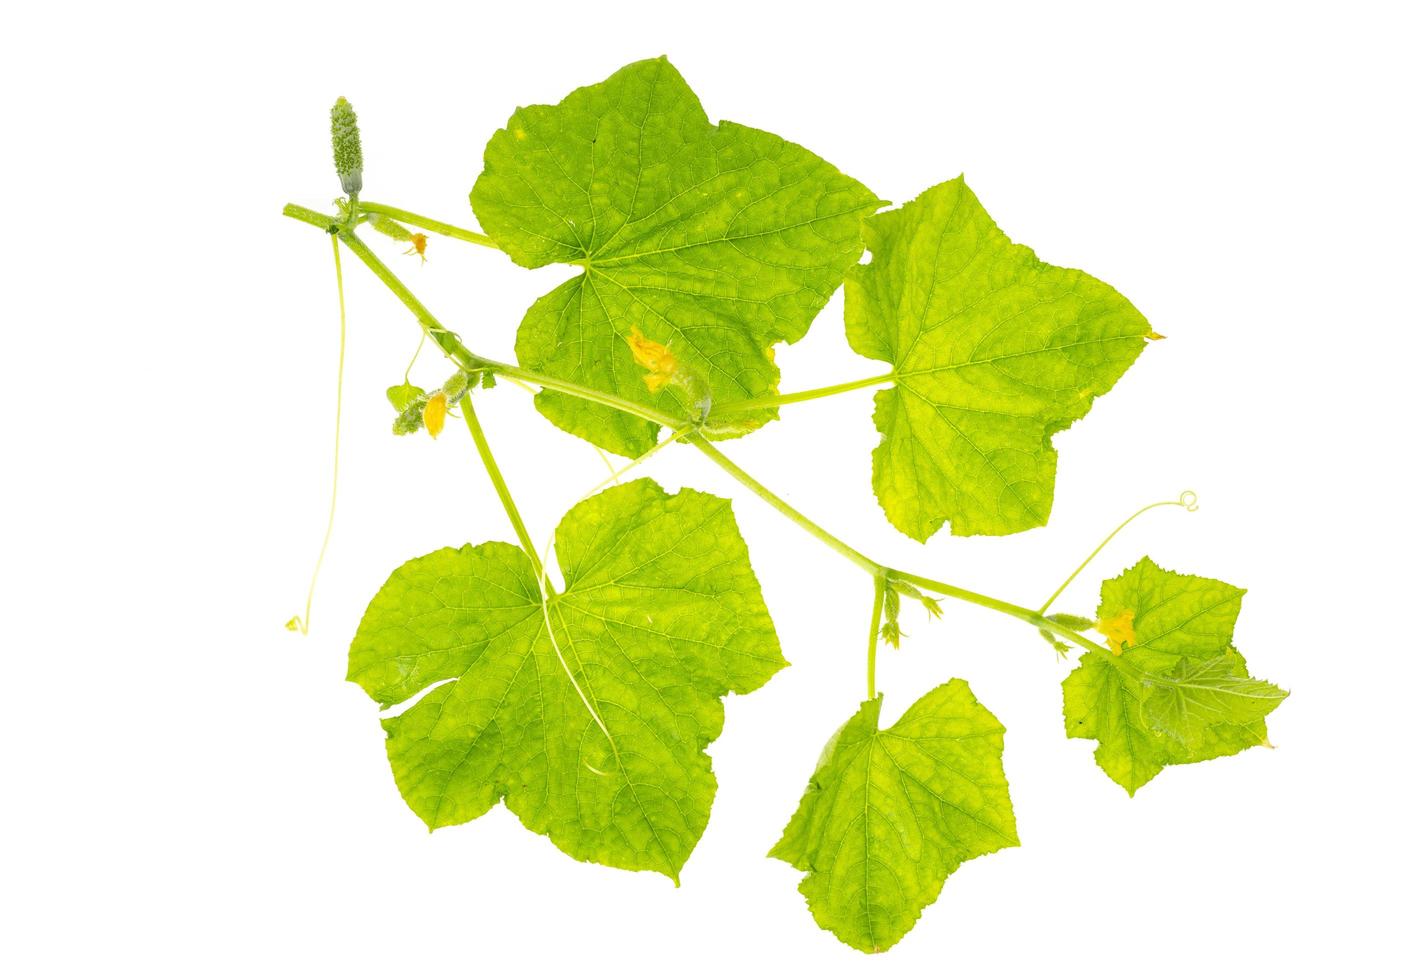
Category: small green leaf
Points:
column 590, row 727
column 1191, row 702
column 890, row 814
column 714, row 241
column 402, row 396
column 1178, row 691
column 993, row 352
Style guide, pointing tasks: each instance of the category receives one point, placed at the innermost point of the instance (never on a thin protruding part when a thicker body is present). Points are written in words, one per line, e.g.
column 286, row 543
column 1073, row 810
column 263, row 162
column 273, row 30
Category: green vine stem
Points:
column 776, row 401
column 784, row 508
column 500, row 486
column 454, row 348
column 874, row 568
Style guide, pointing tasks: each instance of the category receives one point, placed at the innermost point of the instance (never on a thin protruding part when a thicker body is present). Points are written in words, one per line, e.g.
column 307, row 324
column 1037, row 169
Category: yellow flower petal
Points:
column 434, row 414
column 1118, row 630
column 654, row 357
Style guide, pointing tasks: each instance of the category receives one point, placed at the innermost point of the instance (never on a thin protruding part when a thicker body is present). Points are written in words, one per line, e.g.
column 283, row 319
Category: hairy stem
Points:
column 786, row 509
column 1031, row 616
column 775, row 401
column 500, row 486
column 429, row 224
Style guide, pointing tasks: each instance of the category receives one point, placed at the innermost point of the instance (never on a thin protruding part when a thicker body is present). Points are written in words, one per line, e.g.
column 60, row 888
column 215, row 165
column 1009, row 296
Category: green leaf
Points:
column 1195, row 698
column 592, row 727
column 890, row 813
column 1179, row 692
column 716, row 241
column 402, row 396
column 993, row 352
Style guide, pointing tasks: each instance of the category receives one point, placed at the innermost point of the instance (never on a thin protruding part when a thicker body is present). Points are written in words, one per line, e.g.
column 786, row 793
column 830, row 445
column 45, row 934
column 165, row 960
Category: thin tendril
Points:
column 414, row 357
column 615, row 477
column 1187, row 501
column 302, row 624
column 550, row 550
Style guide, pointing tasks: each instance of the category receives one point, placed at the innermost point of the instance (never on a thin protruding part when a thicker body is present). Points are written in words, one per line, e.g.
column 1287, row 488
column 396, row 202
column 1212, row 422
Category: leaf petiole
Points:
column 775, row 401
column 500, row 486
column 429, row 224
column 879, row 587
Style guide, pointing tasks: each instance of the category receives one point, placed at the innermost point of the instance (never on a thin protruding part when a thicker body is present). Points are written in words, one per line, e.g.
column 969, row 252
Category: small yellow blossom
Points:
column 434, row 414
column 653, row 357
column 1118, row 630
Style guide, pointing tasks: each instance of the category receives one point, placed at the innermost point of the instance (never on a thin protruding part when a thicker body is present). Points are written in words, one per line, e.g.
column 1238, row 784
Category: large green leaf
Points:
column 993, row 352
column 890, row 813
column 717, row 241
column 1176, row 691
column 591, row 727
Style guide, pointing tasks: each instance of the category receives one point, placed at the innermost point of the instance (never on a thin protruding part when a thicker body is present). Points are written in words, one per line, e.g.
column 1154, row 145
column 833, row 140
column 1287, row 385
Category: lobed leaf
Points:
column 993, row 352
column 597, row 739
column 716, row 241
column 1177, row 691
column 889, row 814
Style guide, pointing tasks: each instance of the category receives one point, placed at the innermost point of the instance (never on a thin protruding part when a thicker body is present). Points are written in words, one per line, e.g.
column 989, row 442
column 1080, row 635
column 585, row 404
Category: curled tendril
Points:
column 1187, row 500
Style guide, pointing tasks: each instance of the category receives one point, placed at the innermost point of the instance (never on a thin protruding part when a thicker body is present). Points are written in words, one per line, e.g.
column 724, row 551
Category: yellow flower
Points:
column 434, row 414
column 1118, row 630
column 654, row 358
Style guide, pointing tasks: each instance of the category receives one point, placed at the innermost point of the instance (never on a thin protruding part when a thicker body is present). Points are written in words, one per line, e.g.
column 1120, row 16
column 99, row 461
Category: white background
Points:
column 192, row 791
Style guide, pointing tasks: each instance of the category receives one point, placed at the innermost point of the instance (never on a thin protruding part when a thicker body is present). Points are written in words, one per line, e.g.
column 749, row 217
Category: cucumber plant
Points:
column 586, row 705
